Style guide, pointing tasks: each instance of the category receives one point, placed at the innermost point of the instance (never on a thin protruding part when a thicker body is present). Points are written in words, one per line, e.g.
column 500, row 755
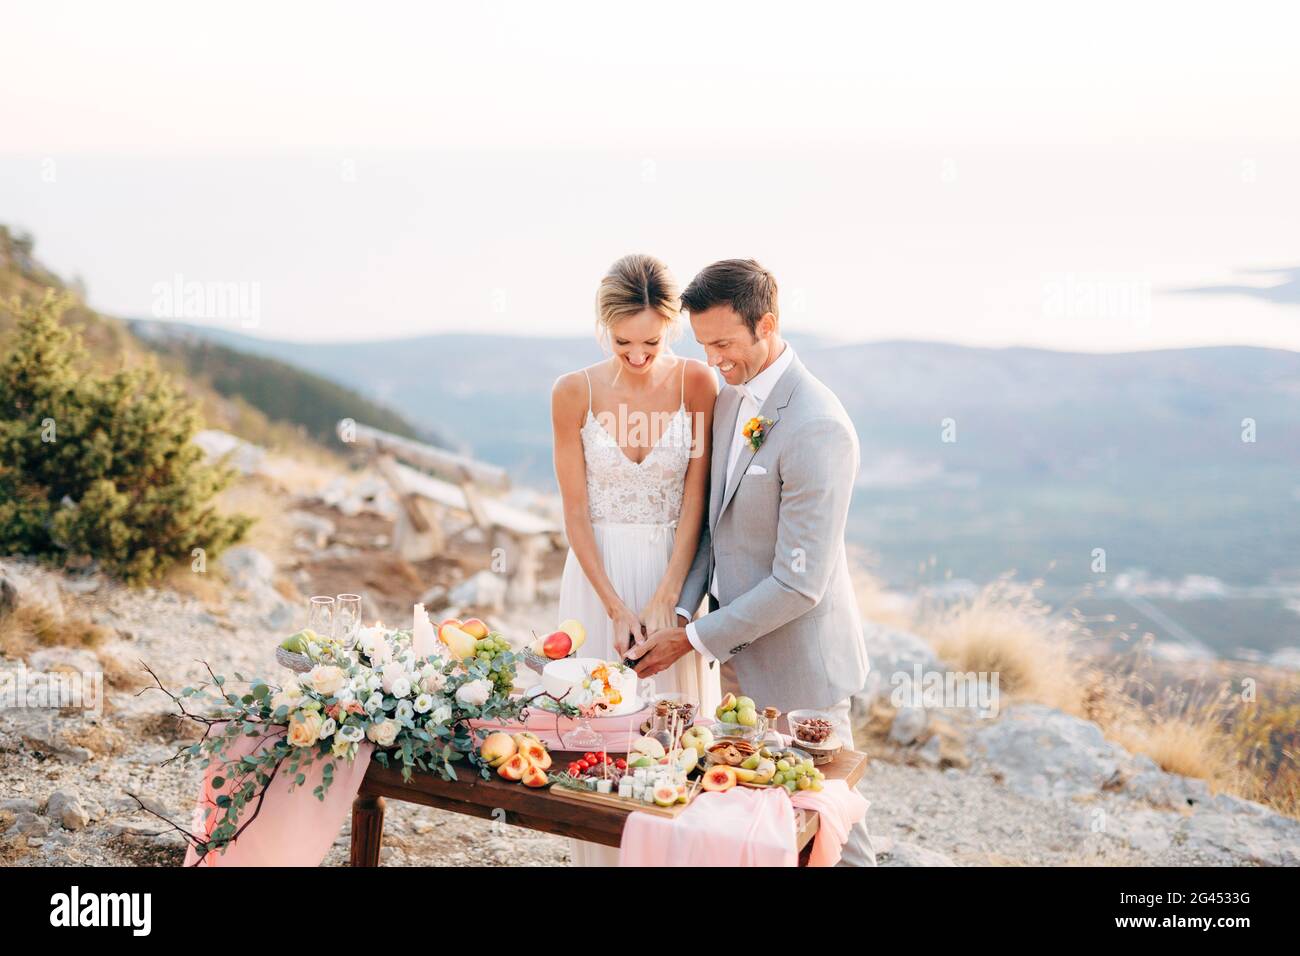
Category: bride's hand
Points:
column 659, row 614
column 627, row 629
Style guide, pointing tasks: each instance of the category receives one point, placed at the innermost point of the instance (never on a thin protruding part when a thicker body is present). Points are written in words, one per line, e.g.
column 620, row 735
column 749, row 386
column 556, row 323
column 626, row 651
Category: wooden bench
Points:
column 522, row 806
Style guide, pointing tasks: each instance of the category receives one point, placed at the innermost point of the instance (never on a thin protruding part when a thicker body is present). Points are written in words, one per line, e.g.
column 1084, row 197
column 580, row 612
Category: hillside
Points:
column 279, row 390
column 263, row 401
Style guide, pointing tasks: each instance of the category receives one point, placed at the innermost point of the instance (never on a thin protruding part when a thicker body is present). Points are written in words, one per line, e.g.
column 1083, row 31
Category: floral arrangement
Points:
column 413, row 705
column 755, row 431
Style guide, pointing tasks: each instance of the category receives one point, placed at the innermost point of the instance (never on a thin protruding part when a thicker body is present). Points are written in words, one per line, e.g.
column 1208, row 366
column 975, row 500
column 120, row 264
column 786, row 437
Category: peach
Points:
column 514, row 768
column 498, row 748
column 535, row 776
column 719, row 779
column 538, row 756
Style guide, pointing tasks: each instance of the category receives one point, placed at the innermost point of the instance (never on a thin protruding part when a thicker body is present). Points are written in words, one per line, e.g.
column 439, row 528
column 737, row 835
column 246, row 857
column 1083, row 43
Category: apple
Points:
column 576, row 632
column 475, row 628
column 498, row 748
column 514, row 768
column 687, row 759
column 535, row 776
column 649, row 746
column 557, row 645
column 697, row 737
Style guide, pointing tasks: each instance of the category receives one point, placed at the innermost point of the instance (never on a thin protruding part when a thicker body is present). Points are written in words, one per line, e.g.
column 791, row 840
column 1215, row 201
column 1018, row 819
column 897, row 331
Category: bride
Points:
column 632, row 459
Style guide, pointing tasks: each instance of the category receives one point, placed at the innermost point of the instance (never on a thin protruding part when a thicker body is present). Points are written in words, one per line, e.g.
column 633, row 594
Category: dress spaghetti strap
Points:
column 683, row 399
column 588, row 377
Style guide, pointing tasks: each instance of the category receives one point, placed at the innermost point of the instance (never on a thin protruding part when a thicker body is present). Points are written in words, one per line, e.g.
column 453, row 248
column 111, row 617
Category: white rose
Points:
column 384, row 733
column 326, row 679
column 432, row 680
column 391, row 674
column 423, row 704
column 474, row 693
column 375, row 702
column 441, row 715
column 404, row 710
column 401, row 687
column 327, row 729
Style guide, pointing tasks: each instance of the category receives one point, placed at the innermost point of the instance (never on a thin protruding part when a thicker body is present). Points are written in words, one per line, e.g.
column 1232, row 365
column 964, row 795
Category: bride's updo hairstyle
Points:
column 632, row 285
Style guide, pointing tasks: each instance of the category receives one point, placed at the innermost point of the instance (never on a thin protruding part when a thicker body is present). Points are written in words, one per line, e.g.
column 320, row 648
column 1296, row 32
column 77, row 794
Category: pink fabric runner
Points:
column 839, row 808
column 292, row 829
column 743, row 827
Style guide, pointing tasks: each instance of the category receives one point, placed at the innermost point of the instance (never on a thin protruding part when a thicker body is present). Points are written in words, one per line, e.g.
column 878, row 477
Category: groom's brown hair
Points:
column 742, row 284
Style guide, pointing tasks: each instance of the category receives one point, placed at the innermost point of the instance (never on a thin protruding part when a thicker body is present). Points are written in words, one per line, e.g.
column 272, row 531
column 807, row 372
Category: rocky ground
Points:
column 1034, row 786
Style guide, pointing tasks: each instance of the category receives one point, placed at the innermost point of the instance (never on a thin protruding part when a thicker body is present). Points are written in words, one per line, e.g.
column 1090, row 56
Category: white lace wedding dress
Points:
column 634, row 509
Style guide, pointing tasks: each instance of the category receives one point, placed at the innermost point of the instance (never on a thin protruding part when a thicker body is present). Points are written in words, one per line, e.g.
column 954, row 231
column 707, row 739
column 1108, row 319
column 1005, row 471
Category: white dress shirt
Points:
column 752, row 396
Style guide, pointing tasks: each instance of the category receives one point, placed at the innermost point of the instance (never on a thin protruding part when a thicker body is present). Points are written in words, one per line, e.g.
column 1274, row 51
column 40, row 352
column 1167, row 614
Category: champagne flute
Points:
column 347, row 618
column 320, row 617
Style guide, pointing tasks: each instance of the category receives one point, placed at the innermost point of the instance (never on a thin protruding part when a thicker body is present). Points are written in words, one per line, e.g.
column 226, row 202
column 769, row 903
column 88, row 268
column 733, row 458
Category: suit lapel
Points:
column 776, row 401
column 724, row 426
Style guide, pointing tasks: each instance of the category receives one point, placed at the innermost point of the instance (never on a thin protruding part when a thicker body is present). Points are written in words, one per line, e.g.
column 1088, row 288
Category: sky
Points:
column 993, row 174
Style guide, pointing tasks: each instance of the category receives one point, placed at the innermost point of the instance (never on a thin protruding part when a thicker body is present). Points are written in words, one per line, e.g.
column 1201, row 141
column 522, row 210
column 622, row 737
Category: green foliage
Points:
column 99, row 465
column 280, row 391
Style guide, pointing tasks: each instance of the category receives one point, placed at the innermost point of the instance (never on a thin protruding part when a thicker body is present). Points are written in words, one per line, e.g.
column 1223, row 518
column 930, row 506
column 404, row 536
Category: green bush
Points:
column 100, row 465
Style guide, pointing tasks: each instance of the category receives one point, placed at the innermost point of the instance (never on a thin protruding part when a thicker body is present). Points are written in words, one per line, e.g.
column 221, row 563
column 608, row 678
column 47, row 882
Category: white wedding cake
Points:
column 587, row 681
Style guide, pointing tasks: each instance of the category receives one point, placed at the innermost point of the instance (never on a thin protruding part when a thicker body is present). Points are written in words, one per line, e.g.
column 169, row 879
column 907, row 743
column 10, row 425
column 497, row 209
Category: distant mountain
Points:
column 1178, row 462
column 281, row 391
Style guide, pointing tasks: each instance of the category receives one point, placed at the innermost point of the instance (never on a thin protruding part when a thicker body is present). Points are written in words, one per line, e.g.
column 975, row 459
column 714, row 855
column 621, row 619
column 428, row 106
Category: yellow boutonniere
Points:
column 755, row 431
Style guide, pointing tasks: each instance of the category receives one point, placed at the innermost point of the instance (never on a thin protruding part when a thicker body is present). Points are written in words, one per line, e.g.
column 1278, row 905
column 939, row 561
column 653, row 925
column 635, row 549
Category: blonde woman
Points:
column 632, row 436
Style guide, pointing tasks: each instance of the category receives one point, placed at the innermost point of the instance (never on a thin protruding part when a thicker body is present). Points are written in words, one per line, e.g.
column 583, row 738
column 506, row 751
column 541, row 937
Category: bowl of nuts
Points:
column 812, row 730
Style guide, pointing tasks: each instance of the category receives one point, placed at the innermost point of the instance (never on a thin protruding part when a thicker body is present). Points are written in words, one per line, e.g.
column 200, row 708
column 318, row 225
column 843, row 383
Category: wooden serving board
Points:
column 615, row 801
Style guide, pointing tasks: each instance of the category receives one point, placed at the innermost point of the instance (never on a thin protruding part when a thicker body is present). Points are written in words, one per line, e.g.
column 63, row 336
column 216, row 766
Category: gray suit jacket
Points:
column 787, row 617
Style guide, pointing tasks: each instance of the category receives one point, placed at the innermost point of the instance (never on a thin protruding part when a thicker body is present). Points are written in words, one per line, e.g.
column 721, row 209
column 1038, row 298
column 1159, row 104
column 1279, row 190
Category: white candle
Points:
column 423, row 639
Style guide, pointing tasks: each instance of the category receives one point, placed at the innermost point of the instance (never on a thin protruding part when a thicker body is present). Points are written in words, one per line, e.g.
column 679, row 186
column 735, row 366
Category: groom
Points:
column 782, row 614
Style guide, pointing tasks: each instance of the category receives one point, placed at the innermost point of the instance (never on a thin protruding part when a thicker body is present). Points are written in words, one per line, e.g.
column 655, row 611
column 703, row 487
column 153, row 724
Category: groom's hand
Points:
column 660, row 651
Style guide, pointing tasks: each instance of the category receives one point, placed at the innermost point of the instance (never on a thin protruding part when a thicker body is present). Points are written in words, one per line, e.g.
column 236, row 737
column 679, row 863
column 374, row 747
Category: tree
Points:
column 100, row 465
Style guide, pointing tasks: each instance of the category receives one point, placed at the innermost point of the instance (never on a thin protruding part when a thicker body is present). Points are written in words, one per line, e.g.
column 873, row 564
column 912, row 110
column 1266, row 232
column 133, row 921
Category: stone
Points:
column 1043, row 752
column 910, row 854
column 246, row 566
column 908, row 725
column 313, row 530
column 30, row 825
column 67, row 809
column 483, row 589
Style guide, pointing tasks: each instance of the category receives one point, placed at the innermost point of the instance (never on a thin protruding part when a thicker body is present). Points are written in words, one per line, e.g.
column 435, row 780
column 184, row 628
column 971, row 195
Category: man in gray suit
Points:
column 782, row 622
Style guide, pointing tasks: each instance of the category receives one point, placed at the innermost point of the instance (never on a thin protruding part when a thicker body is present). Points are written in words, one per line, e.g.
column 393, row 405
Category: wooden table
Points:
column 536, row 809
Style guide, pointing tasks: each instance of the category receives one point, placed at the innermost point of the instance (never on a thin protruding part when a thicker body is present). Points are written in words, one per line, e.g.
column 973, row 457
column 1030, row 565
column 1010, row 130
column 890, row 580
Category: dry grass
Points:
column 1007, row 630
column 32, row 626
column 1249, row 748
column 98, row 739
